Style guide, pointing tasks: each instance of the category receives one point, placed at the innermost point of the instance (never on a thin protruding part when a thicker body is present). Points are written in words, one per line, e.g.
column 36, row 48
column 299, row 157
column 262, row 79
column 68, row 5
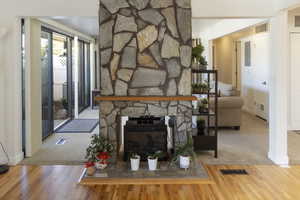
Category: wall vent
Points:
column 261, row 28
column 297, row 21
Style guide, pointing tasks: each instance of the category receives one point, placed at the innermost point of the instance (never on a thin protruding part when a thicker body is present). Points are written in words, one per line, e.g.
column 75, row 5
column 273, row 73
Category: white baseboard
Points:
column 13, row 160
column 279, row 160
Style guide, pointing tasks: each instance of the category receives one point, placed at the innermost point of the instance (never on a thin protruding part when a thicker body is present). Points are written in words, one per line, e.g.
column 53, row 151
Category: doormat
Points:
column 78, row 126
column 234, row 172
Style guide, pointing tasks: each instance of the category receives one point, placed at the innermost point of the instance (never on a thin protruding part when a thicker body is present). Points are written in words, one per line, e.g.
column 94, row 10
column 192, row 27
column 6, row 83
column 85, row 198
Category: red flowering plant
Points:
column 100, row 149
column 89, row 164
column 103, row 157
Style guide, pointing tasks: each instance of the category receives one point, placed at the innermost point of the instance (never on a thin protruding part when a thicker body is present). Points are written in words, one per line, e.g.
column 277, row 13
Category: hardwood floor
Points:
column 60, row 183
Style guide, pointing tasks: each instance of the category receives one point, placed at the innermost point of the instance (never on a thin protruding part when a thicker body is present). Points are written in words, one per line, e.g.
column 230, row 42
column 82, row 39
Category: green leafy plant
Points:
column 201, row 126
column 204, row 101
column 200, row 87
column 186, row 150
column 203, row 105
column 157, row 154
column 197, row 54
column 134, row 156
column 64, row 103
column 99, row 144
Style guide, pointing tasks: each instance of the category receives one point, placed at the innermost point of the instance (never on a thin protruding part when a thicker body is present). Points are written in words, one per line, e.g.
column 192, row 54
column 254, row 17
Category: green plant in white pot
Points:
column 135, row 161
column 153, row 160
column 184, row 154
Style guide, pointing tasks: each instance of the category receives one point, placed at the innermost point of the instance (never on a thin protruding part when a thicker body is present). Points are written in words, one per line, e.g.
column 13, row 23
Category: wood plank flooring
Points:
column 60, row 183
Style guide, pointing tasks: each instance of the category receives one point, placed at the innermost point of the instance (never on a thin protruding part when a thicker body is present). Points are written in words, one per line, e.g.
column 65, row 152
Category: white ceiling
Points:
column 86, row 25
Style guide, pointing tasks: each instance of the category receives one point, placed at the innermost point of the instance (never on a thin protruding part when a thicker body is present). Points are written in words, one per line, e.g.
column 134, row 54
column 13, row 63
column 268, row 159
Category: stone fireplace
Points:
column 145, row 50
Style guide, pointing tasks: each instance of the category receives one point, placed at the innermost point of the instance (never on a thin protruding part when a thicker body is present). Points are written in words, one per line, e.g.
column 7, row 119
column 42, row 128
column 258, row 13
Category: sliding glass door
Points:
column 62, row 79
column 84, row 76
column 46, row 59
column 57, row 86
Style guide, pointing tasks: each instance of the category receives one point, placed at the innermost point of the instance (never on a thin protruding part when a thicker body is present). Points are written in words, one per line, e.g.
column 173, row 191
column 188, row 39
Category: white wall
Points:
column 224, row 58
column 294, row 94
column 252, row 77
column 2, row 87
column 218, row 29
column 279, row 48
column 33, row 86
column 233, row 8
column 11, row 101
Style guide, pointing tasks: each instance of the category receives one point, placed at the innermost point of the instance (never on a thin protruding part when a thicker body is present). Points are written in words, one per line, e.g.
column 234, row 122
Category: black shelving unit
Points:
column 209, row 140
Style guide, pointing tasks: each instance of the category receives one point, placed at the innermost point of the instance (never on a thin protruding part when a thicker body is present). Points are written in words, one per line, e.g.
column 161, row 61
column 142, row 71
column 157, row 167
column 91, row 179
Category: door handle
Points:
column 264, row 83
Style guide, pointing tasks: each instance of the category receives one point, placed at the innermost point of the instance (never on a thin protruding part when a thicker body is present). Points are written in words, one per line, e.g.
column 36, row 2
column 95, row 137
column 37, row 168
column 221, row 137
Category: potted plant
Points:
column 90, row 168
column 99, row 151
column 200, row 88
column 102, row 160
column 201, row 126
column 153, row 160
column 196, row 88
column 184, row 154
column 203, row 105
column 198, row 58
column 64, row 103
column 135, row 161
column 204, row 87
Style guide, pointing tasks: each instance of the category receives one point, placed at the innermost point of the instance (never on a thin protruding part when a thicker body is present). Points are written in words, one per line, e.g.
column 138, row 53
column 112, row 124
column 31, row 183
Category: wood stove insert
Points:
column 144, row 135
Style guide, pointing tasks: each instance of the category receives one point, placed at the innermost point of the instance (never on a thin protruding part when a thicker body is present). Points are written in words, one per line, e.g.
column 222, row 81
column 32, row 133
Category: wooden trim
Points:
column 144, row 181
column 145, row 98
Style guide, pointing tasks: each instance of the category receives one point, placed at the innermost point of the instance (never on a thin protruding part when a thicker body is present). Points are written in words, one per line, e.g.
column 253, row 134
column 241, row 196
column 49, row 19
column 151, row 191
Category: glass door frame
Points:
column 50, row 130
column 85, row 76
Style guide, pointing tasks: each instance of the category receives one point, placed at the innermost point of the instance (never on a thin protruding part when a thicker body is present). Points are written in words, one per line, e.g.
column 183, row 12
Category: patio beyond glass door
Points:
column 61, row 80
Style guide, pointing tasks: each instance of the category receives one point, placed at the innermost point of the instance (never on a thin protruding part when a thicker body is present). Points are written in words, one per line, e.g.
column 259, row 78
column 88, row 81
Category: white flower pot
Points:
column 184, row 162
column 135, row 163
column 99, row 165
column 152, row 164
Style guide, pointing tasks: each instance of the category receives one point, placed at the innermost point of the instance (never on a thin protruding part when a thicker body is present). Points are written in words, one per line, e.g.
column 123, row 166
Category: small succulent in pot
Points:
column 153, row 160
column 200, row 88
column 135, row 161
column 184, row 154
column 203, row 105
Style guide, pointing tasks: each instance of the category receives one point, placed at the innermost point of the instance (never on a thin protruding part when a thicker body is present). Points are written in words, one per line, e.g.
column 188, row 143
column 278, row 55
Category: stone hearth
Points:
column 145, row 50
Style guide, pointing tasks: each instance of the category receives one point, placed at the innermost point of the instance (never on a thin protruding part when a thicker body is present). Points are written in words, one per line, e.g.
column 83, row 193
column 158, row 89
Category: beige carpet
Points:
column 72, row 152
column 249, row 146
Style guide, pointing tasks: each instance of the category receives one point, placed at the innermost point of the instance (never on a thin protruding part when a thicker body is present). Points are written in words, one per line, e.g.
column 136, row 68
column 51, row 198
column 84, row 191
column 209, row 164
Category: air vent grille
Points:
column 234, row 172
column 261, row 28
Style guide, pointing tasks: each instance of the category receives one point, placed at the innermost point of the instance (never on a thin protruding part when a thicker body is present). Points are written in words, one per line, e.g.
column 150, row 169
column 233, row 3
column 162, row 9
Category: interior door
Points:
column 294, row 85
column 261, row 59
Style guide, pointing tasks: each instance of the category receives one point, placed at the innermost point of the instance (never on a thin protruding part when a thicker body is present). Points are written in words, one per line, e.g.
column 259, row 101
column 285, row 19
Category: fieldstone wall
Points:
column 145, row 50
column 145, row 47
